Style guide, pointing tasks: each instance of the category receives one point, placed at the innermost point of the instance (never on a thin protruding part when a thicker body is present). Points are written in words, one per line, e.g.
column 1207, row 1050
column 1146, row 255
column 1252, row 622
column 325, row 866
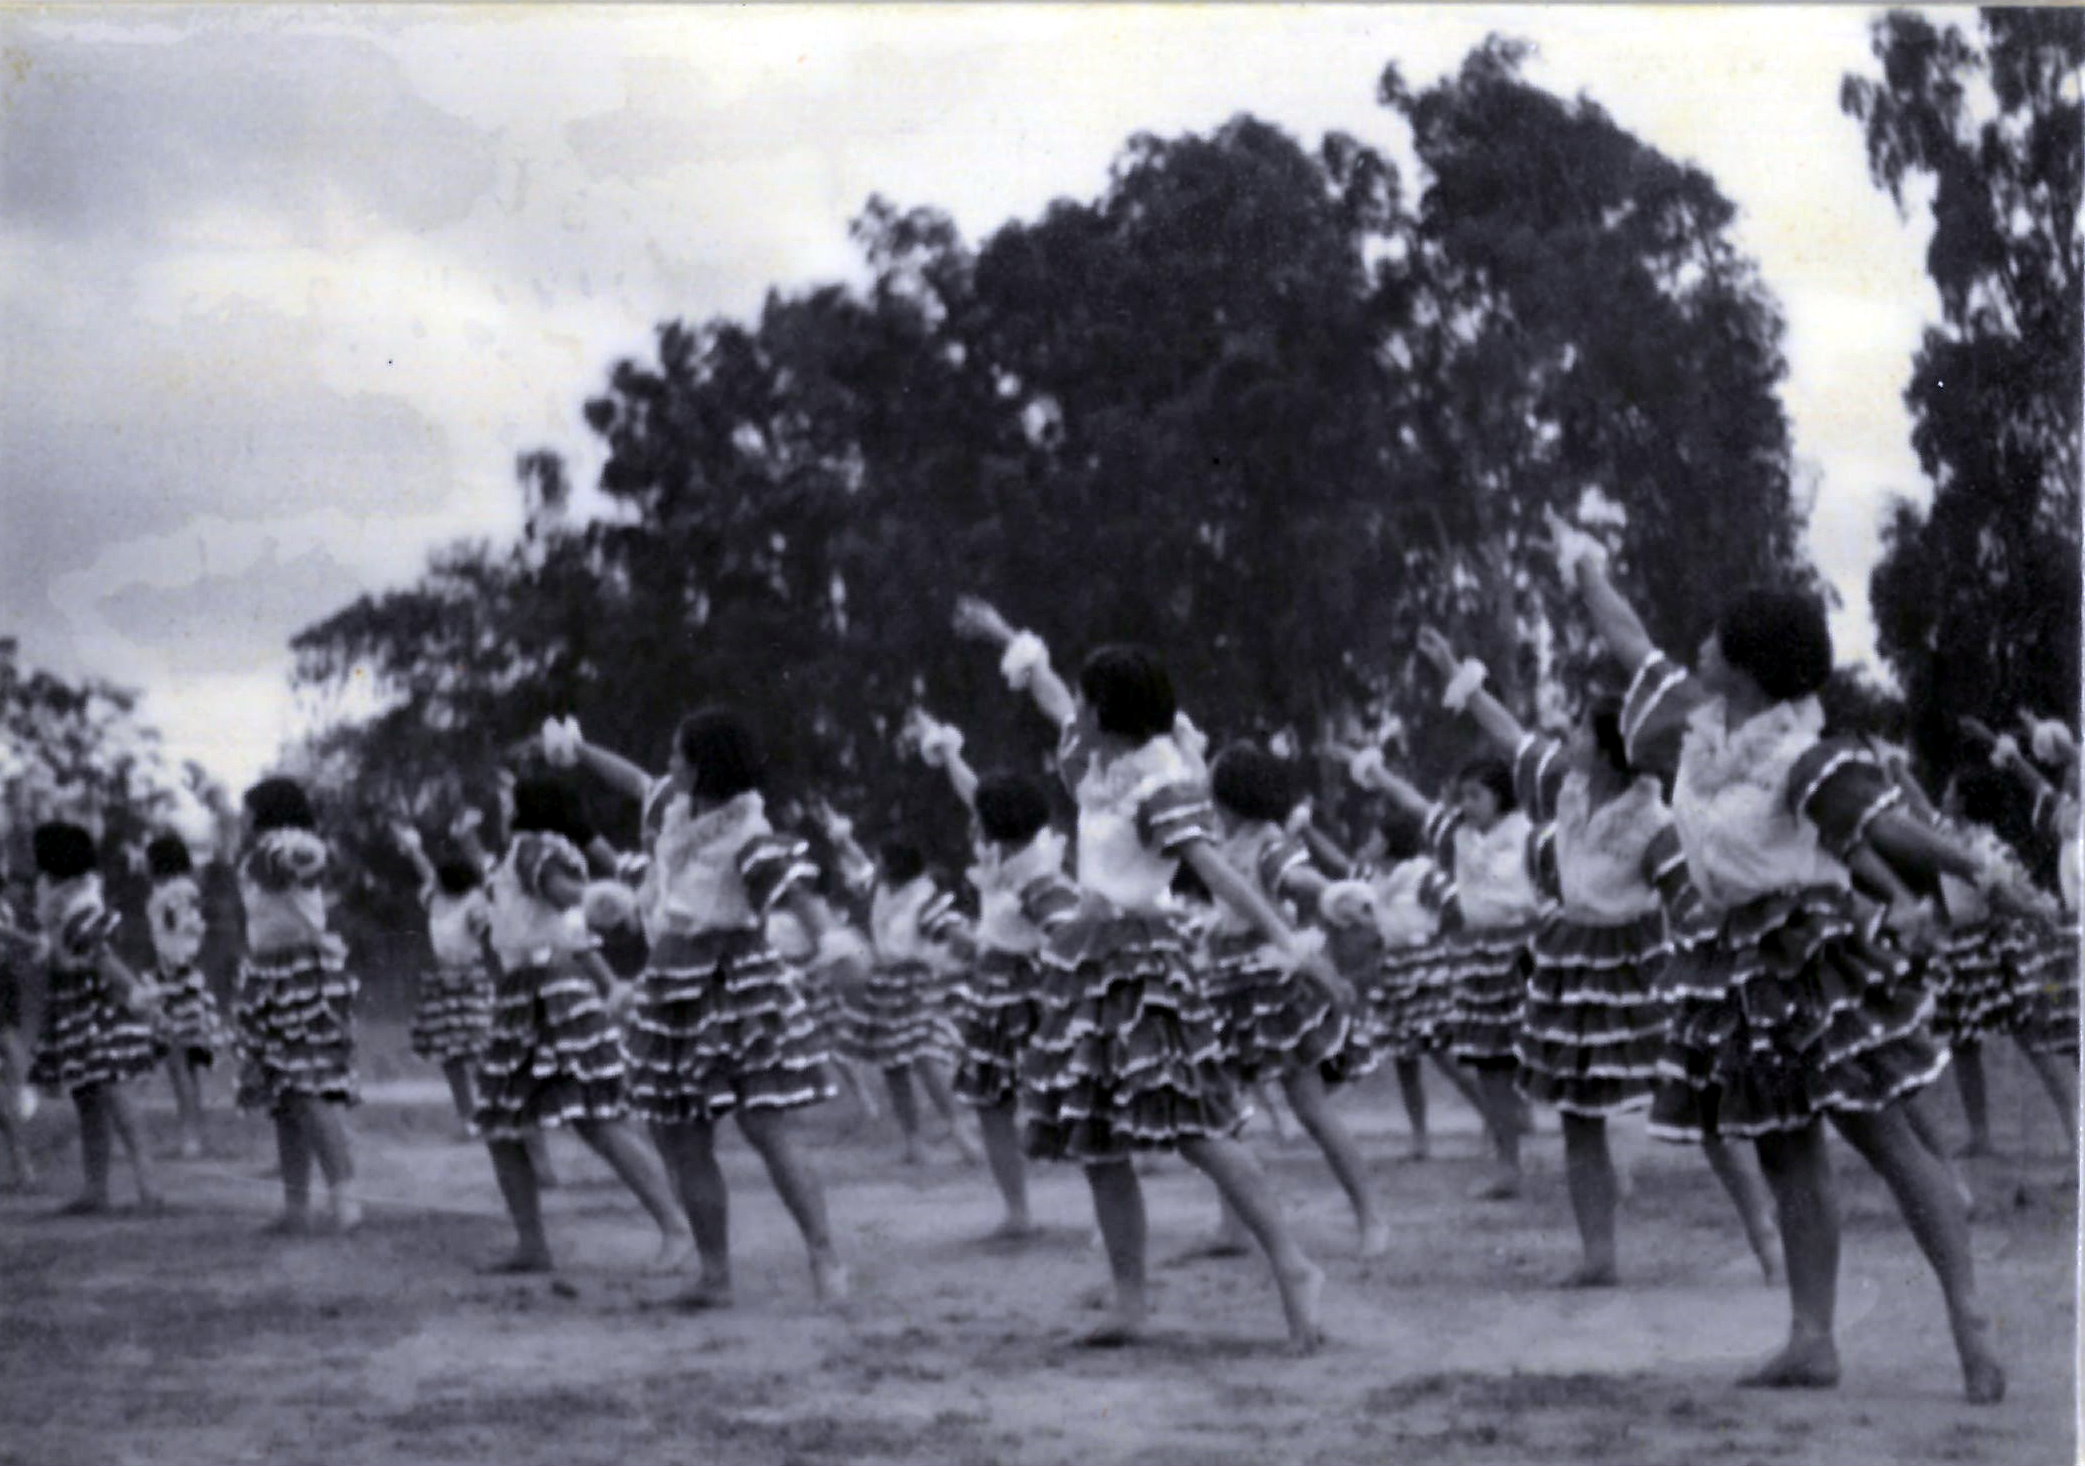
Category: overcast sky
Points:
column 283, row 291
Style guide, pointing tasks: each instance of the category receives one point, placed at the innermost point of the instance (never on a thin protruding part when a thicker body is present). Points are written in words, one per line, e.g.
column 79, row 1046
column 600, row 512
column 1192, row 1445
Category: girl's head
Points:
column 167, row 857
column 1772, row 643
column 715, row 756
column 1251, row 784
column 900, row 863
column 1484, row 792
column 457, row 877
column 1401, row 839
column 64, row 851
column 1011, row 809
column 1596, row 741
column 548, row 805
column 1124, row 692
column 279, row 804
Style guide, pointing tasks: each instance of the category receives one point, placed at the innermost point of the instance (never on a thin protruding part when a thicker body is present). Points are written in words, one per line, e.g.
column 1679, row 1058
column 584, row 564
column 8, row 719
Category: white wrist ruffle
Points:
column 1463, row 686
column 2005, row 750
column 1305, row 946
column 561, row 741
column 1576, row 548
column 1366, row 767
column 1347, row 903
column 1025, row 656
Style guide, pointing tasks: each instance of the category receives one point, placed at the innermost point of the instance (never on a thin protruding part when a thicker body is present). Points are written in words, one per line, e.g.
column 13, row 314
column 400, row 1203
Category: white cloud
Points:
column 309, row 280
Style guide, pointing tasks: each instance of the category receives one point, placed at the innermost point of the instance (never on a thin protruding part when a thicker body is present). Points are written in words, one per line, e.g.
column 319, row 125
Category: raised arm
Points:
column 564, row 745
column 1463, row 681
column 1583, row 561
column 408, row 840
column 940, row 747
column 1366, row 768
column 1023, row 658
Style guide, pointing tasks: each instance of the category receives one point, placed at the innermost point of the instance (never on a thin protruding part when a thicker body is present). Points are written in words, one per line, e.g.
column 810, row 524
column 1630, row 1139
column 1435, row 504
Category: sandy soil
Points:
column 189, row 1338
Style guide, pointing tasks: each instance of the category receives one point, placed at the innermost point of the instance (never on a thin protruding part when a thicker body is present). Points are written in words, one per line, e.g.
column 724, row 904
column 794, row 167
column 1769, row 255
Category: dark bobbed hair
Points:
column 64, row 851
column 722, row 753
column 280, row 804
column 901, row 862
column 545, row 803
column 1131, row 695
column 1011, row 808
column 1494, row 775
column 1780, row 640
column 1604, row 715
column 167, row 857
column 458, row 877
column 1253, row 784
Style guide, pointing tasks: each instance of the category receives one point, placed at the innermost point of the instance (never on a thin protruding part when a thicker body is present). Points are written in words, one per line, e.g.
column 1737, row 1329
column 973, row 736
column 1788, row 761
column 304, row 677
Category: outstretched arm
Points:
column 408, row 841
column 1500, row 726
column 941, row 746
column 1234, row 891
column 1583, row 561
column 615, row 770
column 1025, row 660
column 1366, row 768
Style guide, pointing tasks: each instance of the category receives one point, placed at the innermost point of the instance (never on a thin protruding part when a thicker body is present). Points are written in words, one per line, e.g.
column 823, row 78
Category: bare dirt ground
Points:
column 190, row 1338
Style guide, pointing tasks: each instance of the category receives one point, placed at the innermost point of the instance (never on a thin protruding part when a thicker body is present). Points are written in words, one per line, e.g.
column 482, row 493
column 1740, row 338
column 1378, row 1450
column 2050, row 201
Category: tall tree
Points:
column 1976, row 597
column 1587, row 319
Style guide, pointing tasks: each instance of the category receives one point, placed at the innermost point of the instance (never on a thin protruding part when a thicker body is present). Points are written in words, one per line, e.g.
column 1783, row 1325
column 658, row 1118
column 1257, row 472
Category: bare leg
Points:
column 1245, row 1188
column 1411, row 1085
column 188, row 1101
column 517, row 1179
column 2059, row 1077
column 91, row 1102
column 1749, row 1195
column 771, row 1133
column 1499, row 1103
column 327, row 1129
column 690, row 1154
column 463, row 1093
column 538, row 1144
column 933, row 1078
column 1459, row 1077
column 1799, row 1171
column 641, row 1170
column 999, row 1127
column 293, row 1154
column 1313, row 1107
column 1589, row 1176
column 1919, row 1182
column 14, row 1114
column 1976, row 1098
column 1118, row 1206
column 123, row 1121
column 1925, row 1125
column 905, row 1106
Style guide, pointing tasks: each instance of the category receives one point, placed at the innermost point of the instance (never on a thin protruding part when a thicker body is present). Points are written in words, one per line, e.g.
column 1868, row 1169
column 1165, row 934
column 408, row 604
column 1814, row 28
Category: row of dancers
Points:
column 1695, row 901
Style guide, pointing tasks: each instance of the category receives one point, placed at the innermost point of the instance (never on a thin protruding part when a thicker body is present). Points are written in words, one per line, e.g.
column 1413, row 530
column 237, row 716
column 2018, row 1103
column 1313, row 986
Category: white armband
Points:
column 1463, row 686
column 1025, row 656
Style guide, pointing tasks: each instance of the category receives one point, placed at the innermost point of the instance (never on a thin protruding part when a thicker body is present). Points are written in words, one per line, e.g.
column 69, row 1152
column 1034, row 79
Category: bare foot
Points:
column 1502, row 1185
column 1591, row 1276
column 675, row 1249
column 1215, row 1245
column 1301, row 1295
column 1983, row 1378
column 1375, row 1238
column 289, row 1225
column 1806, row 1365
column 1011, row 1230
column 347, row 1214
column 87, row 1206
column 707, row 1292
column 831, row 1283
column 524, row 1262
